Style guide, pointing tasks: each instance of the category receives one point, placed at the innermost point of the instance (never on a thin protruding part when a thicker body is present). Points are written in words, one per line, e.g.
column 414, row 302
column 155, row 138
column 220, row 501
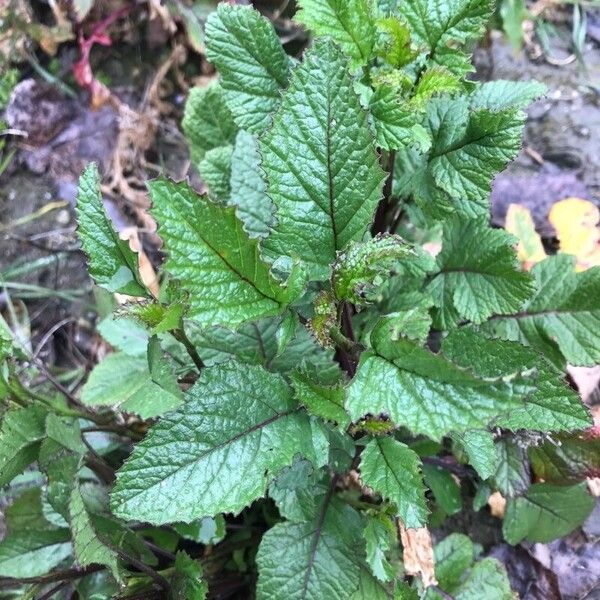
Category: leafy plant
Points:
column 317, row 380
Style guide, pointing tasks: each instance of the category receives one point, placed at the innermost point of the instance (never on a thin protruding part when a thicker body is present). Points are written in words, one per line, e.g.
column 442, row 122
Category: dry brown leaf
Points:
column 147, row 272
column 576, row 223
column 519, row 222
column 586, row 379
column 593, row 484
column 497, row 504
column 418, row 553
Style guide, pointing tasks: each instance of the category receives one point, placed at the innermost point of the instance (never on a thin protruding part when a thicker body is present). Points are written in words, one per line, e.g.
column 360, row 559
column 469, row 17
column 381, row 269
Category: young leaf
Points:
column 320, row 559
column 348, row 22
column 479, row 274
column 564, row 311
column 444, row 25
column 248, row 189
column 453, row 556
column 392, row 469
column 215, row 261
column 546, row 512
column 187, row 582
column 89, row 549
column 322, row 170
column 469, row 147
column 238, row 428
column 430, row 393
column 397, row 123
column 111, row 262
column 394, row 43
column 33, row 553
column 22, row 430
column 207, row 122
column 244, row 47
column 125, row 382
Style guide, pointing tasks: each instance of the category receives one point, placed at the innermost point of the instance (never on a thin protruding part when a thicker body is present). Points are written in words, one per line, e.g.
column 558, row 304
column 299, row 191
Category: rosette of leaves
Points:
column 307, row 370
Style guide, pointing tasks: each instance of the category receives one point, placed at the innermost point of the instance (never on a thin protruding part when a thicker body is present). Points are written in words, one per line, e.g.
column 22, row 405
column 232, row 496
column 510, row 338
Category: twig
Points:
column 181, row 336
column 50, row 593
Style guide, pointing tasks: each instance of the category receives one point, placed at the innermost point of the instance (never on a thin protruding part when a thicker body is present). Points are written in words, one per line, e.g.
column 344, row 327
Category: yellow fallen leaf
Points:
column 418, row 553
column 530, row 249
column 576, row 223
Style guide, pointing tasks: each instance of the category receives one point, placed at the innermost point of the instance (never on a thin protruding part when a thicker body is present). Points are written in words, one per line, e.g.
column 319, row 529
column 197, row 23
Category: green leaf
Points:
column 207, row 530
column 546, row 512
column 66, row 431
column 33, row 553
column 320, row 558
column 248, row 188
column 469, row 147
column 393, row 470
column 187, row 582
column 397, row 124
column 513, row 13
column 214, row 259
column 394, row 43
column 350, row 23
column 215, row 169
column 322, row 170
column 244, row 47
column 479, row 274
column 443, row 26
column 430, row 393
column 502, row 94
column 322, row 401
column 125, row 382
column 481, row 452
column 551, row 406
column 445, row 489
column 453, row 556
column 567, row 458
column 124, row 334
column 511, row 475
column 565, row 311
column 379, row 534
column 207, row 122
column 238, row 428
column 488, row 580
column 89, row 549
column 111, row 262
column 26, row 513
column 21, row 431
column 433, row 82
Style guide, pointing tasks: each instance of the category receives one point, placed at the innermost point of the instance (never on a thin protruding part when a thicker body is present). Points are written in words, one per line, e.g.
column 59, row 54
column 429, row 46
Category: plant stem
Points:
column 181, row 336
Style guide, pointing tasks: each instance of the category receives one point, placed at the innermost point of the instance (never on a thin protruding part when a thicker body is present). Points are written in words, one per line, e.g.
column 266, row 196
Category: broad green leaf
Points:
column 321, row 556
column 551, row 406
column 89, row 549
column 487, row 579
column 21, row 431
column 237, row 429
column 453, row 556
column 350, row 23
column 326, row 402
column 244, row 47
column 431, row 393
column 502, row 94
column 321, row 167
column 444, row 488
column 112, row 264
column 443, row 26
column 124, row 334
column 469, row 147
column 397, row 123
column 393, row 470
column 126, row 382
column 29, row 553
column 512, row 475
column 215, row 169
column 379, row 534
column 568, row 458
column 479, row 274
column 565, row 311
column 66, row 431
column 215, row 260
column 479, row 447
column 207, row 122
column 248, row 188
column 546, row 512
column 187, row 582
